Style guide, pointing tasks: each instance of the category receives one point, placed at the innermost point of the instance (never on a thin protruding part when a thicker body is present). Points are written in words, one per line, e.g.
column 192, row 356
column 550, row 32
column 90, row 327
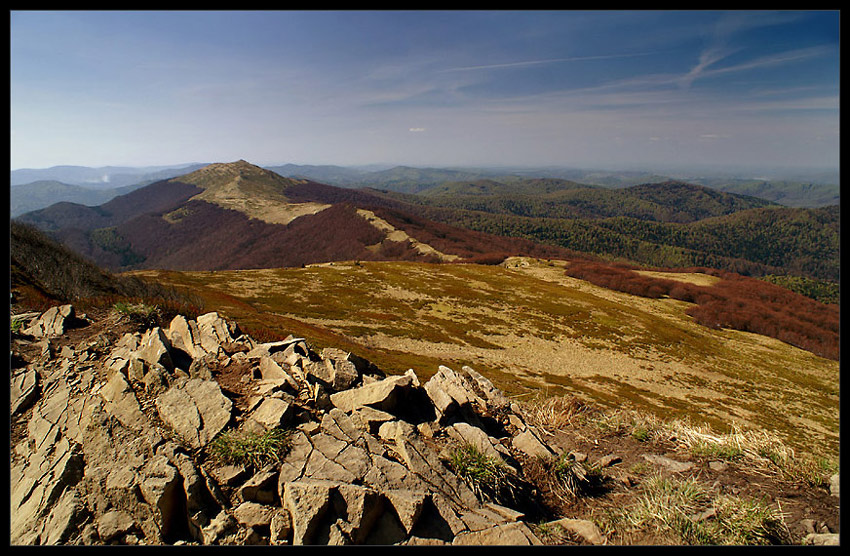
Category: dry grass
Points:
column 529, row 328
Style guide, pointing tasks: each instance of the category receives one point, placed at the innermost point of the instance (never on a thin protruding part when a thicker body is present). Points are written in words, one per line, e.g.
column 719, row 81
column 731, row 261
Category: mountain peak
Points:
column 249, row 189
column 223, row 172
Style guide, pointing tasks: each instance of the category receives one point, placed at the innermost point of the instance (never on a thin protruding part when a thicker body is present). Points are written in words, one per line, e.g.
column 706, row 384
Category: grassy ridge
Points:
column 533, row 328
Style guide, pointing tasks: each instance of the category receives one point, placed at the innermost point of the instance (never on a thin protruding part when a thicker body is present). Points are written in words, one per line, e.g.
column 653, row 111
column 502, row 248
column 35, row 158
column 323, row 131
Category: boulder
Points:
column 272, row 413
column 52, row 322
column 383, row 394
column 213, row 331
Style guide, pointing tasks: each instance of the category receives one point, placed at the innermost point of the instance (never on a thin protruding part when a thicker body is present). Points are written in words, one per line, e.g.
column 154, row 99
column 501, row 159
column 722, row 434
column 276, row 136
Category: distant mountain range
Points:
column 92, row 186
column 238, row 215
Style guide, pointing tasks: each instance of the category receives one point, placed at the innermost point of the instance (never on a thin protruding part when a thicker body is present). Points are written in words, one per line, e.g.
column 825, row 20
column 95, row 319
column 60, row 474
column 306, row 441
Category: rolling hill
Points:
column 531, row 328
column 237, row 215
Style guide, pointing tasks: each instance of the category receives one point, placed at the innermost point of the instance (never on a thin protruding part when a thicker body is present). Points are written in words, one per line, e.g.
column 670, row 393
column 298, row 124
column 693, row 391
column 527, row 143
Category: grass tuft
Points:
column 488, row 477
column 238, row 447
column 686, row 512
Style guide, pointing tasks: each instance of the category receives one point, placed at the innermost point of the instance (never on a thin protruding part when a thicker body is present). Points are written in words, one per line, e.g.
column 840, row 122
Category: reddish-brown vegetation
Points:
column 736, row 301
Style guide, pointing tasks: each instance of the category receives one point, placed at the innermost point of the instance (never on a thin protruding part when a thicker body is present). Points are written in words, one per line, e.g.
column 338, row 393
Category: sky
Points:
column 606, row 89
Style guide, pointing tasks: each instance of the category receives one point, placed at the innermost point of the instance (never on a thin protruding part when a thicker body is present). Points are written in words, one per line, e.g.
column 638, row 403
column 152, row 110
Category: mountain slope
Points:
column 237, row 215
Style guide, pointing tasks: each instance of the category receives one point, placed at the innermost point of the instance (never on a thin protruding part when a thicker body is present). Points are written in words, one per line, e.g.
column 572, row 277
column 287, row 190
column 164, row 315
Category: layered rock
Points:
column 118, row 449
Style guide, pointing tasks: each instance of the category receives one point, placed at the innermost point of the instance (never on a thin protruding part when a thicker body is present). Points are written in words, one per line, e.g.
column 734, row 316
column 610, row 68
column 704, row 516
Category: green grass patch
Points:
column 238, row 447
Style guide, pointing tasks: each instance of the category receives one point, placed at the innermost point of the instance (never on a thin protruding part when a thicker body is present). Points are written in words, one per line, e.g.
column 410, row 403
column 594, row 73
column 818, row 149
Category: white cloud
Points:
column 417, row 129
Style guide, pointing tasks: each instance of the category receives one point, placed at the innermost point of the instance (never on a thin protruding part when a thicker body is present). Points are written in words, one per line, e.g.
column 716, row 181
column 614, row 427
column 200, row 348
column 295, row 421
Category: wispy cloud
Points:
column 528, row 63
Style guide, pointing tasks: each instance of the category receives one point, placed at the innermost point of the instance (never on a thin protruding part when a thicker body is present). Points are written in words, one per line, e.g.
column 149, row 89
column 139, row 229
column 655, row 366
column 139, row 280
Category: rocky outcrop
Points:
column 117, row 444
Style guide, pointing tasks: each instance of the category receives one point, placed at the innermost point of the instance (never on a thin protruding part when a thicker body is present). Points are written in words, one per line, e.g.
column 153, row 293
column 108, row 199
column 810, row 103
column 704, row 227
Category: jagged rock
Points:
column 122, row 403
column 269, row 348
column 342, row 369
column 261, row 488
column 155, row 348
column 529, row 443
column 307, row 503
column 382, row 395
column 671, row 464
column 834, row 485
column 408, row 505
column 24, row 389
column 252, row 514
column 52, row 322
column 185, row 336
column 280, row 527
column 218, row 527
column 359, row 507
column 162, row 488
column 609, row 460
column 195, row 409
column 271, row 370
column 64, row 519
column 213, row 332
column 464, row 433
column 271, row 414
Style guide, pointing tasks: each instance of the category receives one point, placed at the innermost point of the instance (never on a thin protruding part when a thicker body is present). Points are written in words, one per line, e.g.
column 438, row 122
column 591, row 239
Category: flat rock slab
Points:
column 671, row 464
column 196, row 410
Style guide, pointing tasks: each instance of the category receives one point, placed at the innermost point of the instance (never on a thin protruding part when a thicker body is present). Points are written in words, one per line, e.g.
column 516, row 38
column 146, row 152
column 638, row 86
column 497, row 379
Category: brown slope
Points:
column 237, row 216
column 204, row 236
column 468, row 244
column 156, row 197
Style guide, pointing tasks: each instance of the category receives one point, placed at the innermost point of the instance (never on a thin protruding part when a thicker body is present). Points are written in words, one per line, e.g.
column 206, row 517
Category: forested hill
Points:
column 661, row 202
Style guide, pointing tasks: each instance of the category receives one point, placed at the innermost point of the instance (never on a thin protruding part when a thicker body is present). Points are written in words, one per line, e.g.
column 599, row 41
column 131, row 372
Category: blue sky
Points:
column 609, row 89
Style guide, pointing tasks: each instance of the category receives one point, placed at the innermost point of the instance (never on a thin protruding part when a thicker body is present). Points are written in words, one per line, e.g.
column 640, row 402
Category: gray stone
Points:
column 821, row 539
column 272, row 413
column 529, row 443
column 585, row 529
column 155, row 347
column 24, row 389
column 162, row 488
column 671, row 464
column 464, row 433
column 382, row 394
column 262, row 487
column 307, row 503
column 252, row 514
column 122, row 403
column 196, row 410
column 52, row 322
column 512, row 534
column 114, row 523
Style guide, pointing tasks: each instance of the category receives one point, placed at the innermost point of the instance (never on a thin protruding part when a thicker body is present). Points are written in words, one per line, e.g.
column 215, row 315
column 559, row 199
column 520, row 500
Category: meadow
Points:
column 531, row 328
